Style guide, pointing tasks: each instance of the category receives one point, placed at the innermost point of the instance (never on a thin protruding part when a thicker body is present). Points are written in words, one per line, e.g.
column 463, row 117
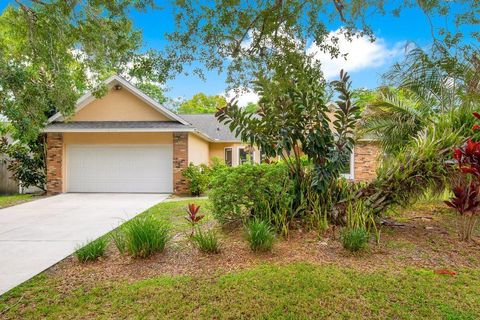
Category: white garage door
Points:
column 119, row 168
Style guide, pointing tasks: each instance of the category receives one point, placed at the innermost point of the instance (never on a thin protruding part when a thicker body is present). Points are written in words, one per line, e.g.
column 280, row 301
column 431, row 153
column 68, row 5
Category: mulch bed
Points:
column 420, row 238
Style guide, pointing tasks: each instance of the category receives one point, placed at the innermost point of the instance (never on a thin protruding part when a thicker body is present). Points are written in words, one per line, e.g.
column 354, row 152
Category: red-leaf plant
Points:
column 192, row 217
column 466, row 194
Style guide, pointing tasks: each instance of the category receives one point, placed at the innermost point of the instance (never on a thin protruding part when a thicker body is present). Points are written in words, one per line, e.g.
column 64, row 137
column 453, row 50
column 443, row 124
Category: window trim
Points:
column 238, row 155
column 225, row 155
column 351, row 175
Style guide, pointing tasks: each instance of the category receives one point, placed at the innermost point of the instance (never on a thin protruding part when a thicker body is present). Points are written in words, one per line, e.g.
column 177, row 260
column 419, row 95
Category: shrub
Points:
column 92, row 250
column 259, row 235
column 206, row 241
column 193, row 218
column 145, row 236
column 248, row 190
column 118, row 238
column 198, row 178
column 354, row 239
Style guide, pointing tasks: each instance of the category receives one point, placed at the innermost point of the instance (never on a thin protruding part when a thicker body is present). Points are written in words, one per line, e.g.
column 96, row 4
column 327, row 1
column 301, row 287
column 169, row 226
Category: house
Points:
column 127, row 142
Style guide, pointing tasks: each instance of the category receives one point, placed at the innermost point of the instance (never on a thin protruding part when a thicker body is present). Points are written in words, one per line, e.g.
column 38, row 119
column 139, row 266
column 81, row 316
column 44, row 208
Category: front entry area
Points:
column 119, row 168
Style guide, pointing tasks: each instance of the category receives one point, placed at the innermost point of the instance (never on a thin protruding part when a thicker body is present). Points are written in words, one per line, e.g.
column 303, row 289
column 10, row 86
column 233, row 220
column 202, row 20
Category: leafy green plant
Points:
column 118, row 238
column 260, row 235
column 354, row 239
column 198, row 178
column 92, row 250
column 145, row 236
column 360, row 216
column 206, row 241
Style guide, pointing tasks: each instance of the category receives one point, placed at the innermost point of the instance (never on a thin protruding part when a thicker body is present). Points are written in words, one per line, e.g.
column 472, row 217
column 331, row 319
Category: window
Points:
column 348, row 169
column 245, row 156
column 228, row 156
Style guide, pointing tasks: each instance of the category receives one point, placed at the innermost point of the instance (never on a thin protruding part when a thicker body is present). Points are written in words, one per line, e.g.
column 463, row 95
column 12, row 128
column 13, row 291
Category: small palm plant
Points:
column 193, row 218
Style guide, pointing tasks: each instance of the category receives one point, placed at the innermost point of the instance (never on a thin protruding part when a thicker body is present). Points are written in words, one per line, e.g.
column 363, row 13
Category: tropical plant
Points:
column 354, row 239
column 198, row 178
column 92, row 250
column 206, row 241
column 259, row 234
column 145, row 236
column 466, row 199
column 192, row 215
column 293, row 118
column 361, row 217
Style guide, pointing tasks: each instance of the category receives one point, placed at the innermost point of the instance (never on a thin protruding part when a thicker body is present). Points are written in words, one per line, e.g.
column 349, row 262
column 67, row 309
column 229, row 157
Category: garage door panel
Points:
column 119, row 168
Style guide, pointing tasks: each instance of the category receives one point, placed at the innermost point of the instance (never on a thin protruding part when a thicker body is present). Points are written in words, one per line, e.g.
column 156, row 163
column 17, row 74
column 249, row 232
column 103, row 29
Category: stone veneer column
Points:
column 366, row 160
column 54, row 163
column 180, row 161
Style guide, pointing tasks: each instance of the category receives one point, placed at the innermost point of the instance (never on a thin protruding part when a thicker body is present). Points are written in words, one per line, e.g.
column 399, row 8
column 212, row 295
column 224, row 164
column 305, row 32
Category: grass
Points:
column 294, row 291
column 145, row 236
column 206, row 241
column 354, row 239
column 92, row 250
column 260, row 235
column 11, row 200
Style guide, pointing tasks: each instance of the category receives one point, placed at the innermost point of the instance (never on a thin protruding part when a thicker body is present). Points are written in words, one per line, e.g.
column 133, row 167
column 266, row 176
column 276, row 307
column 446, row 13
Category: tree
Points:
column 201, row 103
column 241, row 36
column 52, row 51
column 292, row 118
column 251, row 107
column 154, row 91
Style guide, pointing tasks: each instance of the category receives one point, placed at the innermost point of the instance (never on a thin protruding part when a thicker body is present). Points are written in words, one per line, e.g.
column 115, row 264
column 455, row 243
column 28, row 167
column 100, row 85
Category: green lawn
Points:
column 10, row 200
column 295, row 291
column 298, row 290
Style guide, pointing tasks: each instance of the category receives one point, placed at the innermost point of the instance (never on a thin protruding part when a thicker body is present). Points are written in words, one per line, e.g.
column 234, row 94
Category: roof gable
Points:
column 88, row 100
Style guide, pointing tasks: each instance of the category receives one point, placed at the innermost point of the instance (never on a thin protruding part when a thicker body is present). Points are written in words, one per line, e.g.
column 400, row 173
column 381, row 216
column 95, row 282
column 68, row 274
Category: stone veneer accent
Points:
column 180, row 161
column 54, row 163
column 366, row 160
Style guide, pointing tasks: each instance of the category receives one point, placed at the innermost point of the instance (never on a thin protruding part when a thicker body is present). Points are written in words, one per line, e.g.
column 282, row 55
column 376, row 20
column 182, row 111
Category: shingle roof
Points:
column 85, row 125
column 208, row 125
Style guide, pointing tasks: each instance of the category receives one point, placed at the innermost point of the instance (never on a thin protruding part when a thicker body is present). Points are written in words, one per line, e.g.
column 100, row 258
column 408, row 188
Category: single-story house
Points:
column 128, row 142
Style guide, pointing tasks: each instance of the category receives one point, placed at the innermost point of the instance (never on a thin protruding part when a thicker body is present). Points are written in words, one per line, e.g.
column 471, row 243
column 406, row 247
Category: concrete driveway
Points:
column 36, row 235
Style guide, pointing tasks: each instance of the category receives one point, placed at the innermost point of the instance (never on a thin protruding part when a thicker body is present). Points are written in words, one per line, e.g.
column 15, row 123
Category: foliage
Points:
column 293, row 118
column 92, row 250
column 118, row 238
column 52, row 51
column 145, row 236
column 354, row 239
column 466, row 199
column 420, row 166
column 259, row 234
column 243, row 36
column 206, row 241
column 251, row 107
column 154, row 91
column 201, row 103
column 25, row 161
column 240, row 192
column 198, row 178
column 192, row 217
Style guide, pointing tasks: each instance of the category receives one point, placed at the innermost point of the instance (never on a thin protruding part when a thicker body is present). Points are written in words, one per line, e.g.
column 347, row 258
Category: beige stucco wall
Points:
column 218, row 150
column 118, row 105
column 198, row 150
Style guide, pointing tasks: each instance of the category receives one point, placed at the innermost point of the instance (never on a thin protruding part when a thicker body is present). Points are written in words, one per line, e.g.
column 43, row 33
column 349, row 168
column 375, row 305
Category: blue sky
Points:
column 366, row 62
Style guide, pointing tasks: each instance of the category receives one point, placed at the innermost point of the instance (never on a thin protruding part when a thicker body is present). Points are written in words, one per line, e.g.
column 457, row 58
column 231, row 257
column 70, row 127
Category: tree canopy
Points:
column 51, row 52
column 201, row 103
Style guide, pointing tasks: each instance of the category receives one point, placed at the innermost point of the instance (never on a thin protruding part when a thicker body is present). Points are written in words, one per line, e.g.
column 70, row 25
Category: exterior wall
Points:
column 366, row 160
column 198, row 150
column 118, row 105
column 217, row 149
column 54, row 163
column 118, row 138
column 180, row 161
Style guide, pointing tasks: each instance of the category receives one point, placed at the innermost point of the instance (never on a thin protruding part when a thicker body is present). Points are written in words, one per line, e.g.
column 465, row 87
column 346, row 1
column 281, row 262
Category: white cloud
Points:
column 242, row 95
column 361, row 54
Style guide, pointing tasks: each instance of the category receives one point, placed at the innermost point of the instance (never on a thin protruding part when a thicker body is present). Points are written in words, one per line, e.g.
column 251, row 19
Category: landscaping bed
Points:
column 306, row 275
